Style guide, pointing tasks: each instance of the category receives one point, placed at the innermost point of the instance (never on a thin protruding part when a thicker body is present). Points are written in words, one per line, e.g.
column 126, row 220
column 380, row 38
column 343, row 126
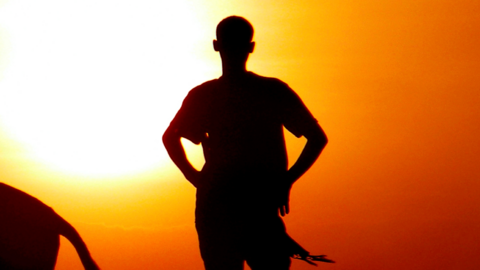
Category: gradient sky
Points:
column 88, row 87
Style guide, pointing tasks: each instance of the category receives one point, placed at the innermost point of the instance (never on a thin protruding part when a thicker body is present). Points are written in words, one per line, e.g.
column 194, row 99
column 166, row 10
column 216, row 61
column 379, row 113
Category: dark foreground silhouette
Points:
column 244, row 186
column 29, row 233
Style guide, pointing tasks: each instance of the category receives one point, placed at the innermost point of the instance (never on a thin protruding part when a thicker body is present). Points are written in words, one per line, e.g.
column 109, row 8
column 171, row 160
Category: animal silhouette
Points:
column 30, row 233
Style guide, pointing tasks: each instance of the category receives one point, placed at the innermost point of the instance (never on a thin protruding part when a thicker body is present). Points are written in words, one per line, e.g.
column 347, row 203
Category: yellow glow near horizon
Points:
column 90, row 86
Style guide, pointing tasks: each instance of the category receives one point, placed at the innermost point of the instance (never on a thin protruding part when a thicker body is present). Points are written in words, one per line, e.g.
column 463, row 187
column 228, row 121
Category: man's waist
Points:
column 231, row 169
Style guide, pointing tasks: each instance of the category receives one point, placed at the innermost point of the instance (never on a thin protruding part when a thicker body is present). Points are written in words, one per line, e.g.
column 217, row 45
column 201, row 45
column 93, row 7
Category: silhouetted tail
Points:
column 72, row 235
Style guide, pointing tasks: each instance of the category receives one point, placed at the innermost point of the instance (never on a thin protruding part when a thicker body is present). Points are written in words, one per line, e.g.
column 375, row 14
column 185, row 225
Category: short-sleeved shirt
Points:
column 240, row 122
column 240, row 125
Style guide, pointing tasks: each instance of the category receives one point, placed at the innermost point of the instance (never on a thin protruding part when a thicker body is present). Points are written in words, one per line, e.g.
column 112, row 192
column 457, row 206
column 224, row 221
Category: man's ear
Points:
column 251, row 47
column 216, row 46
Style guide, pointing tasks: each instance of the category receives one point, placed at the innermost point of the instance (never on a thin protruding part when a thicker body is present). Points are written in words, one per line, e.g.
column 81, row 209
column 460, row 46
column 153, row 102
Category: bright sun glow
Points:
column 89, row 86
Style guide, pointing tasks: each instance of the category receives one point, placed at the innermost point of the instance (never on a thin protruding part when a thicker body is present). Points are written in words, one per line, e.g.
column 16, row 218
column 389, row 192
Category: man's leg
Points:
column 219, row 249
column 268, row 252
column 269, row 261
column 222, row 262
column 266, row 243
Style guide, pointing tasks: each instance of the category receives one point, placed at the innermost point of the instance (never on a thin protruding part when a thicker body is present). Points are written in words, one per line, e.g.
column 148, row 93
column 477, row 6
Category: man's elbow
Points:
column 323, row 139
column 169, row 137
column 318, row 138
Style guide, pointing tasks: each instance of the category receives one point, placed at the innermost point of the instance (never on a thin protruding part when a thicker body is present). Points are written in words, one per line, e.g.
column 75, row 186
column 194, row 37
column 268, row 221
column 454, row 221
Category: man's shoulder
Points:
column 273, row 87
column 270, row 81
column 205, row 87
column 204, row 90
column 212, row 88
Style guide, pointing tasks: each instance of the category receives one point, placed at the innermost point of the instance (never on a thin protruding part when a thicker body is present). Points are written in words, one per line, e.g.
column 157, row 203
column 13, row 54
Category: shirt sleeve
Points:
column 188, row 120
column 296, row 117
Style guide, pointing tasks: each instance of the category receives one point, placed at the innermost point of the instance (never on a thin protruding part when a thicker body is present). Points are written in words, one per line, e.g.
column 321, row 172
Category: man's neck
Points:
column 234, row 65
column 234, row 70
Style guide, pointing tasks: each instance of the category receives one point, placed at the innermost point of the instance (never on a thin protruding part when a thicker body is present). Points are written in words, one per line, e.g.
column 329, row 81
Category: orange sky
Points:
column 394, row 85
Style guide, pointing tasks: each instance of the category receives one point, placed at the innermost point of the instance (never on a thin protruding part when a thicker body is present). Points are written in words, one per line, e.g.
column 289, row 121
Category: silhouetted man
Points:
column 29, row 233
column 245, row 182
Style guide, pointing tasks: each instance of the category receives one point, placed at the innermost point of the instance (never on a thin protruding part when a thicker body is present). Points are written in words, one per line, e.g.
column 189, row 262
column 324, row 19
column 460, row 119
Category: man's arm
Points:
column 316, row 141
column 171, row 140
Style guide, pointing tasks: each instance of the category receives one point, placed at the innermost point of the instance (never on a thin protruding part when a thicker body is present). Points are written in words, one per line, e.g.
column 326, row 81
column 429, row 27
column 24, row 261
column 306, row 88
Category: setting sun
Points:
column 90, row 86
